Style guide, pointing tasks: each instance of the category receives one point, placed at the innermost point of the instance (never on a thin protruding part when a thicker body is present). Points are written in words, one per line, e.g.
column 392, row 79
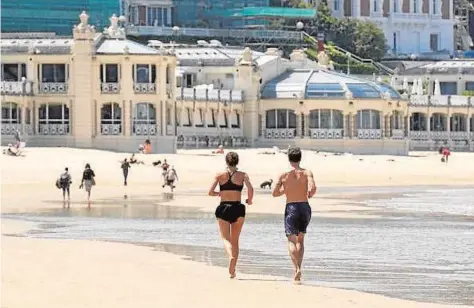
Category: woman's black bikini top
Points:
column 229, row 185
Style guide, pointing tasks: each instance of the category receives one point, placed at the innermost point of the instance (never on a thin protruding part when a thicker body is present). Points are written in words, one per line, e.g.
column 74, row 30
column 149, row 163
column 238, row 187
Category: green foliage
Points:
column 356, row 68
column 468, row 93
column 360, row 37
column 340, row 62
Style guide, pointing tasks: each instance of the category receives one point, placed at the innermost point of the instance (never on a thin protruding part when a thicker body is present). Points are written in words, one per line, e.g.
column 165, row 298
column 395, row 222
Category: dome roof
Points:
column 307, row 84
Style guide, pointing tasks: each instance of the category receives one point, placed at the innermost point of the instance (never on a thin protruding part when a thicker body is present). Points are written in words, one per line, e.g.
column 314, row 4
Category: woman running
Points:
column 88, row 180
column 230, row 213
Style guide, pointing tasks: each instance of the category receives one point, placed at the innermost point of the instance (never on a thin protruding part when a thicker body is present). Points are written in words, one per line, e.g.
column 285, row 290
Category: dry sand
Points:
column 67, row 273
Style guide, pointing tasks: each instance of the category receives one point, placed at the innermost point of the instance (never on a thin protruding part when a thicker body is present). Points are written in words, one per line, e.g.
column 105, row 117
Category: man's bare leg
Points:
column 300, row 249
column 224, row 229
column 294, row 255
column 235, row 230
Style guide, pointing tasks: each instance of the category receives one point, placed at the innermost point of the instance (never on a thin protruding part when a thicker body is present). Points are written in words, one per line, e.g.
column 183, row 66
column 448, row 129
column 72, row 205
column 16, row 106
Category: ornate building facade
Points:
column 95, row 90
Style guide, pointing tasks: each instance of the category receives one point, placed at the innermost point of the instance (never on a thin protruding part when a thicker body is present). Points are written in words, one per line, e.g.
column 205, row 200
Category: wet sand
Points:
column 72, row 273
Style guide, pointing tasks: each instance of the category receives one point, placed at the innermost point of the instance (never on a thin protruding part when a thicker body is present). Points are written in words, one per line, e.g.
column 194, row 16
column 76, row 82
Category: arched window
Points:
column 438, row 122
column 368, row 119
column 111, row 119
column 326, row 119
column 458, row 122
column 144, row 119
column 54, row 119
column 10, row 118
column 418, row 121
column 280, row 118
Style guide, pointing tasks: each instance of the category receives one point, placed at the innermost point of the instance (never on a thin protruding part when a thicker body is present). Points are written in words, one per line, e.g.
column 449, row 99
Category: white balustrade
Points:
column 441, row 100
column 369, row 134
column 419, row 135
column 53, row 88
column 198, row 94
column 10, row 128
column 111, row 129
column 459, row 135
column 439, row 135
column 53, row 129
column 326, row 133
column 144, row 129
column 110, row 88
column 280, row 133
column 398, row 134
column 16, row 88
column 145, row 88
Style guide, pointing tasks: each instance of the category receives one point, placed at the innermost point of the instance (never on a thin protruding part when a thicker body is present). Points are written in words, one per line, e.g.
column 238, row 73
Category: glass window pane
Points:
column 106, row 112
column 142, row 73
column 291, row 119
column 281, row 118
column 324, row 90
column 325, row 118
column 314, row 119
column 386, row 88
column 59, row 73
column 10, row 72
column 55, row 112
column 363, row 90
column 448, row 88
column 47, row 71
column 111, row 73
column 270, row 119
column 337, row 119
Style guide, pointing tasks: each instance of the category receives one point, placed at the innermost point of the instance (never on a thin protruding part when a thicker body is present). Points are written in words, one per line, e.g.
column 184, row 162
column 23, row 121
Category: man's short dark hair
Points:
column 294, row 154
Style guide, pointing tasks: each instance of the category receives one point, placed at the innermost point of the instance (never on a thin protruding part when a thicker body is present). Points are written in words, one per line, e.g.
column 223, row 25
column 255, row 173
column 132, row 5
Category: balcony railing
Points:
column 441, row 100
column 369, row 133
column 440, row 135
column 110, row 88
column 398, row 134
column 54, row 129
column 111, row 129
column 194, row 94
column 280, row 133
column 53, row 88
column 145, row 88
column 16, row 88
column 144, row 129
column 326, row 133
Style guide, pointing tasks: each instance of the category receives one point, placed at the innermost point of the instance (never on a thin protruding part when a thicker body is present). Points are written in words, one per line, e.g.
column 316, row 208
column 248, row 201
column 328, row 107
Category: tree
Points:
column 369, row 40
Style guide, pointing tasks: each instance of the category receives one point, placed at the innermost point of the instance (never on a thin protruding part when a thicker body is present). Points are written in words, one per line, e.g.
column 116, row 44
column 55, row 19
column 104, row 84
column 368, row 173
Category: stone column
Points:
column 229, row 119
column 128, row 118
column 388, row 124
column 23, row 118
column 382, row 125
column 354, row 126
column 299, row 125
column 264, row 119
column 306, row 125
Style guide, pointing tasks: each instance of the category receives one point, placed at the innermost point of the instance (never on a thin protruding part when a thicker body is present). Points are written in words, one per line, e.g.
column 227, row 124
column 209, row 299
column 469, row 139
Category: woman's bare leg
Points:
column 224, row 229
column 235, row 230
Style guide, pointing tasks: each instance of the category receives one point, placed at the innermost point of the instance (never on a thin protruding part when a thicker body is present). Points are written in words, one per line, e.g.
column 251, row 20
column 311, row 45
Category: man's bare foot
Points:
column 297, row 277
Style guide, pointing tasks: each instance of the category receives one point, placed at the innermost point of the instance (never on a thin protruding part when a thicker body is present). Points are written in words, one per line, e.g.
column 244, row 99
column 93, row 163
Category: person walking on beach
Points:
column 164, row 168
column 64, row 182
column 125, row 166
column 230, row 213
column 88, row 180
column 171, row 176
column 298, row 186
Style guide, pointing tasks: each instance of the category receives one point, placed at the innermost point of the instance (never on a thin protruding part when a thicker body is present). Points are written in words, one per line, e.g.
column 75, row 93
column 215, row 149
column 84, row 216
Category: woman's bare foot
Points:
column 232, row 265
column 297, row 277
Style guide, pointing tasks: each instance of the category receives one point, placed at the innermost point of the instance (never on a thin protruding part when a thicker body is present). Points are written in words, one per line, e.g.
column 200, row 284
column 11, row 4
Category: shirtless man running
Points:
column 298, row 186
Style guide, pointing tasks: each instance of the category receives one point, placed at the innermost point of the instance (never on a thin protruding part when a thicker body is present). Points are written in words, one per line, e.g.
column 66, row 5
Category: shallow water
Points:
column 420, row 254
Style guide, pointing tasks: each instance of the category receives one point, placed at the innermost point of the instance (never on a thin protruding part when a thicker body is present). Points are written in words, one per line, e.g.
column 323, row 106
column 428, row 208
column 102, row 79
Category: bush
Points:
column 356, row 68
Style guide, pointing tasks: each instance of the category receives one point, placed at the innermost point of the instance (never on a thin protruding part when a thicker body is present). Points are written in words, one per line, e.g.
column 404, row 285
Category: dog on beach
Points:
column 156, row 163
column 267, row 184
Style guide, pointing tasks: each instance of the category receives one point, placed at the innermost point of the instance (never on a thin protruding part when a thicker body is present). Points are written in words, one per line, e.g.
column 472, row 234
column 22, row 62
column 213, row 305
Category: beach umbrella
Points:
column 414, row 87
column 437, row 88
column 405, row 84
column 392, row 82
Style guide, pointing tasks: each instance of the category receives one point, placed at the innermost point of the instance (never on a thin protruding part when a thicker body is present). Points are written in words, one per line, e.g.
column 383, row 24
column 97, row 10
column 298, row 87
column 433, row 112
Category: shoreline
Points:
column 309, row 293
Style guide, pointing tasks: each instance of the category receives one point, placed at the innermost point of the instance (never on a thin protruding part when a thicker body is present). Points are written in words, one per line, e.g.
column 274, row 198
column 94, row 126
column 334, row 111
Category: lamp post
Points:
column 300, row 27
column 348, row 55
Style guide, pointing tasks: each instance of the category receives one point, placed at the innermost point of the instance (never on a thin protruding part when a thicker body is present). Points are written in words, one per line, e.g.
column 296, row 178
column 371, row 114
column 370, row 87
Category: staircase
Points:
column 462, row 38
column 382, row 68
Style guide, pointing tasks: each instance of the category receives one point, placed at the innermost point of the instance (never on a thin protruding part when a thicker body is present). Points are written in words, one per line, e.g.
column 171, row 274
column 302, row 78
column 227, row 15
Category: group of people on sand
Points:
column 65, row 180
column 297, row 184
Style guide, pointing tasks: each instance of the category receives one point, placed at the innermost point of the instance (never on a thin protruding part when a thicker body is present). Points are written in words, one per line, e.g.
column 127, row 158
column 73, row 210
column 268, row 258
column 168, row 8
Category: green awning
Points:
column 277, row 12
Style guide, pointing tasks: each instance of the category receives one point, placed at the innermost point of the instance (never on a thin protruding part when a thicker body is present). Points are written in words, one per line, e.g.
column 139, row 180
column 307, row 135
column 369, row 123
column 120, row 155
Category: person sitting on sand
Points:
column 133, row 160
column 220, row 150
column 298, row 186
column 230, row 213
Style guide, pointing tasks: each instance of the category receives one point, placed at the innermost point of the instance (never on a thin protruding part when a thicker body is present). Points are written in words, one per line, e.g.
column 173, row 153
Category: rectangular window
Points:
column 434, row 42
column 375, row 6
column 282, row 118
column 395, row 6
column 144, row 73
column 415, row 6
column 270, row 121
column 336, row 5
column 188, row 80
column 165, row 17
column 435, row 8
column 448, row 88
column 10, row 72
column 395, row 40
column 53, row 73
column 109, row 73
column 159, row 14
column 469, row 86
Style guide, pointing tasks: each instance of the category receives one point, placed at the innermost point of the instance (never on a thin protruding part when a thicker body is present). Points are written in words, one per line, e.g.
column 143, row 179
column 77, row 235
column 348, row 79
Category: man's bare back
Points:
column 298, row 185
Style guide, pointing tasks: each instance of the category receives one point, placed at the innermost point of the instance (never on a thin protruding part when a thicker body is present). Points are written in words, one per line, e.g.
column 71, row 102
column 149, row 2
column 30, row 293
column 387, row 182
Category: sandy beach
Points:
column 72, row 273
